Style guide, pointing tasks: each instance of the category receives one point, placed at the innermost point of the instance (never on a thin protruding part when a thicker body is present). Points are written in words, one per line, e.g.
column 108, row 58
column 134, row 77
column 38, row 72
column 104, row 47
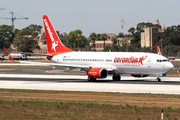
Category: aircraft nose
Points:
column 169, row 67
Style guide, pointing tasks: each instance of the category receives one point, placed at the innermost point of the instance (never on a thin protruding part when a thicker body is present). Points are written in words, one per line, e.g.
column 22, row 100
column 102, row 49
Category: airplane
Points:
column 100, row 64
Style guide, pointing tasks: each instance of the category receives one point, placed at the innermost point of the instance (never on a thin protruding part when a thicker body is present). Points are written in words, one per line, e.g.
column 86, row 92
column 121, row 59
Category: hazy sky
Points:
column 99, row 16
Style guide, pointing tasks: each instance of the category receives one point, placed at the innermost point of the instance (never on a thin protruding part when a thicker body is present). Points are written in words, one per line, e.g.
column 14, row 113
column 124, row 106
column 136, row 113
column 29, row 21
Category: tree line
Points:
column 169, row 40
column 26, row 39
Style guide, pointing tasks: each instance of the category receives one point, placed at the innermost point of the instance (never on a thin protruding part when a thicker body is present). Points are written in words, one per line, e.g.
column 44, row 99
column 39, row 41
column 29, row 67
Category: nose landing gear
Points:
column 158, row 79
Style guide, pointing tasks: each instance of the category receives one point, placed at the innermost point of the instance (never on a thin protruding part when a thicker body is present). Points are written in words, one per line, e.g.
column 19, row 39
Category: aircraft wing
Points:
column 85, row 67
column 35, row 54
column 53, row 64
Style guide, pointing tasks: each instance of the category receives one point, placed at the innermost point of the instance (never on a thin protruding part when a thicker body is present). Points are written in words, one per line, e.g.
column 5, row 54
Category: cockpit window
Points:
column 164, row 60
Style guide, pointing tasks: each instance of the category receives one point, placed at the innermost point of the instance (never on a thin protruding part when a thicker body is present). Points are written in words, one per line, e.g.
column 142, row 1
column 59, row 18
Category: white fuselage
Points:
column 120, row 62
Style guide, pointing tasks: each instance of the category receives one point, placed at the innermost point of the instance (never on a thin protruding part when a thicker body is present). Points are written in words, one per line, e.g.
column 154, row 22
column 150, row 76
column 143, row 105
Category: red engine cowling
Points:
column 139, row 75
column 97, row 73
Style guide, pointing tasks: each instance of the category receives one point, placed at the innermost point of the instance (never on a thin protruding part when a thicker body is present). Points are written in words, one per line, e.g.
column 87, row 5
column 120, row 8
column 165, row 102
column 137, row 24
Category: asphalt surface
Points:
column 79, row 83
column 125, row 79
column 71, row 80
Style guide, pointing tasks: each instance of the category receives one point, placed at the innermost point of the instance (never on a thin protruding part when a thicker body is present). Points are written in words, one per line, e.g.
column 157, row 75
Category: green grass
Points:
column 24, row 105
column 13, row 103
column 53, row 91
column 127, row 105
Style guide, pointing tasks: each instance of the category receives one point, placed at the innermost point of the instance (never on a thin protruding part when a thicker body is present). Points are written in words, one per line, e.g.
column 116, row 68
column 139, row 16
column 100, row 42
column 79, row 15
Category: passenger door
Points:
column 149, row 63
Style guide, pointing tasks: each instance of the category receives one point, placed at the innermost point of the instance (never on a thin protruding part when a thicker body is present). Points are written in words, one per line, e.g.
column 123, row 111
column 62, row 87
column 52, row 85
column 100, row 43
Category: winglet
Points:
column 158, row 51
column 10, row 58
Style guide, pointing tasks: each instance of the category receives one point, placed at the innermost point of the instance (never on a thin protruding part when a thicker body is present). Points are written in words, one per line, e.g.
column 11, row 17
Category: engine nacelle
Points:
column 97, row 73
column 23, row 56
column 139, row 75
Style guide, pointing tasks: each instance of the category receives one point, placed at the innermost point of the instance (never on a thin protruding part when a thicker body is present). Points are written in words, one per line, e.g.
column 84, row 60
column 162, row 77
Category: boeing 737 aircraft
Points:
column 100, row 64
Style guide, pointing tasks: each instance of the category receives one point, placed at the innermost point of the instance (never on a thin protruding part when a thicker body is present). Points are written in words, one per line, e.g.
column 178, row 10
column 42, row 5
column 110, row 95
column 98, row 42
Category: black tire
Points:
column 94, row 79
column 91, row 79
column 116, row 77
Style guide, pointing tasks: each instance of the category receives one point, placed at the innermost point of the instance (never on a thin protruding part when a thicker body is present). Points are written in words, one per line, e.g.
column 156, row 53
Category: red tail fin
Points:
column 54, row 44
column 10, row 58
column 158, row 51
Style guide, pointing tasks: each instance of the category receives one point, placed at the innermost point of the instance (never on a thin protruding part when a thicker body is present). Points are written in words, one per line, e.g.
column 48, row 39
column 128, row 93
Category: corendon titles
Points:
column 131, row 59
column 49, row 30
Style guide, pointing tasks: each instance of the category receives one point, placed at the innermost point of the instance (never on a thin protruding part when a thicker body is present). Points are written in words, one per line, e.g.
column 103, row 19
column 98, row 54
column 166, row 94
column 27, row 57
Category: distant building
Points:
column 149, row 37
column 99, row 44
column 160, row 29
column 120, row 40
column 43, row 45
column 157, row 21
column 163, row 28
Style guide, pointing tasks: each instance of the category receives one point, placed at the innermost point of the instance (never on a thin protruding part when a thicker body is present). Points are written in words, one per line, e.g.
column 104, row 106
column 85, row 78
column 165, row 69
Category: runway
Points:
column 169, row 85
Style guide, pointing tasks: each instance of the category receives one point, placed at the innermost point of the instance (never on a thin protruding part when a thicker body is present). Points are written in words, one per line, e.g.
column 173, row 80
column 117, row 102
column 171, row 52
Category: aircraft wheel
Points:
column 116, row 77
column 91, row 79
column 158, row 79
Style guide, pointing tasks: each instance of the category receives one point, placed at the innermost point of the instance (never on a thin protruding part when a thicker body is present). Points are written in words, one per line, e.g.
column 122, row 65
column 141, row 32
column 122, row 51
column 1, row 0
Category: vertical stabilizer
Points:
column 54, row 44
column 158, row 51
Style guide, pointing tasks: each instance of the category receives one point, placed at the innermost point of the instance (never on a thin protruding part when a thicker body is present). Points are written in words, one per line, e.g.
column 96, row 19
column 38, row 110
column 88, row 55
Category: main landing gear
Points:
column 116, row 77
column 91, row 79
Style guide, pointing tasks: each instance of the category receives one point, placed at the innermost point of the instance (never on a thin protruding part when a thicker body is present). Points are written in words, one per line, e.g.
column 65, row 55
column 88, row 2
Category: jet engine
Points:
column 97, row 73
column 23, row 56
column 139, row 75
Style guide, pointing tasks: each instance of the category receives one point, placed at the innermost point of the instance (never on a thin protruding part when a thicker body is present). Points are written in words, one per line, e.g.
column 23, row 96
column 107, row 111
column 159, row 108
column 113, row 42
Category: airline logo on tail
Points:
column 51, row 36
column 54, row 45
